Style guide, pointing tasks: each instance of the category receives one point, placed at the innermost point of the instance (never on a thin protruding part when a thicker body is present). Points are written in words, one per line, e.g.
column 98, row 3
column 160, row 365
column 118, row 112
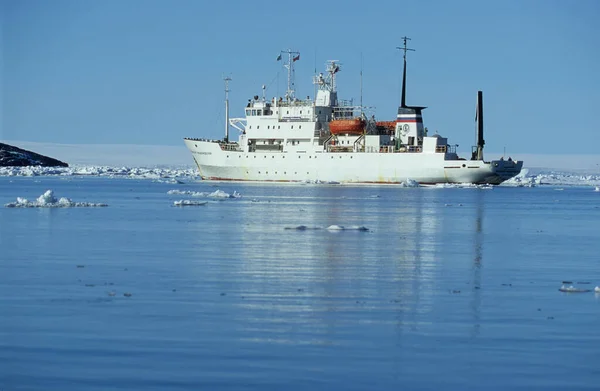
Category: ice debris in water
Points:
column 189, row 203
column 48, row 200
column 214, row 194
column 597, row 289
column 410, row 183
column 572, row 289
column 330, row 228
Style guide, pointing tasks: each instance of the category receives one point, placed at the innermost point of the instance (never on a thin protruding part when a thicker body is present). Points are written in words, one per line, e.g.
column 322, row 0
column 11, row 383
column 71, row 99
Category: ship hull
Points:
column 215, row 163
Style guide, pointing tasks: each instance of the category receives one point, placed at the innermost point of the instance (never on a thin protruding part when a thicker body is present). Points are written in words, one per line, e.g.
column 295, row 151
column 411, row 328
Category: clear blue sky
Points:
column 149, row 71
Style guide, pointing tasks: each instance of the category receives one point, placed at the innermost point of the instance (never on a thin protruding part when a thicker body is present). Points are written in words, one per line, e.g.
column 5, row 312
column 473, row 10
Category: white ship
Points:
column 326, row 139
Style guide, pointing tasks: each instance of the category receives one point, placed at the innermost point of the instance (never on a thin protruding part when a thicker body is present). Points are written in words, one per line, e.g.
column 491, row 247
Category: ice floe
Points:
column 48, row 200
column 553, row 178
column 203, row 194
column 155, row 173
column 330, row 228
column 526, row 178
column 189, row 203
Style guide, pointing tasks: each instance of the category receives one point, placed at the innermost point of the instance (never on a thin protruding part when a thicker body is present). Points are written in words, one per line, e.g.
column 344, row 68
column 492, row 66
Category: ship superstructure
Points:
column 326, row 139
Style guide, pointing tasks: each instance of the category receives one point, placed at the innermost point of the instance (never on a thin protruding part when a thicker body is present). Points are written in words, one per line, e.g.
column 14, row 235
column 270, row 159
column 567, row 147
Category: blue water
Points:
column 450, row 288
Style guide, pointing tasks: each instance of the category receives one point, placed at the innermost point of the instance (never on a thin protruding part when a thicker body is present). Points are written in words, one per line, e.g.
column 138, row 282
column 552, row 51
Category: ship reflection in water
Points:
column 302, row 283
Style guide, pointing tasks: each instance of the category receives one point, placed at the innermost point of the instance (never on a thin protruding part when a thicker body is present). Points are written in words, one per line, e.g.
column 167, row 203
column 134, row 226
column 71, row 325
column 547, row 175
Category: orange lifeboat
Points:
column 387, row 125
column 347, row 126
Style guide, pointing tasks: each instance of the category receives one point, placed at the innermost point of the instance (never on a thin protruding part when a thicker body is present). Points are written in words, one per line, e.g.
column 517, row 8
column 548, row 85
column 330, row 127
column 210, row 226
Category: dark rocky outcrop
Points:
column 13, row 156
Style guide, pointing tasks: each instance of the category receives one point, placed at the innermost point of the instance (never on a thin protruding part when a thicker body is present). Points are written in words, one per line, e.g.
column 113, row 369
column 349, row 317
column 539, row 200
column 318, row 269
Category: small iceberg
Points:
column 48, row 200
column 189, row 203
column 597, row 188
column 572, row 289
column 597, row 289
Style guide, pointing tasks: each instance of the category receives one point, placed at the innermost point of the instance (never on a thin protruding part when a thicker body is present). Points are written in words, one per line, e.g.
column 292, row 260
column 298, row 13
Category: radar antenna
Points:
column 404, row 49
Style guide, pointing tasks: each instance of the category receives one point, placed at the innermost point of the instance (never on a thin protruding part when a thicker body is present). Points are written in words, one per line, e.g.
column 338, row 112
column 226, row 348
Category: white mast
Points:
column 292, row 58
column 227, row 80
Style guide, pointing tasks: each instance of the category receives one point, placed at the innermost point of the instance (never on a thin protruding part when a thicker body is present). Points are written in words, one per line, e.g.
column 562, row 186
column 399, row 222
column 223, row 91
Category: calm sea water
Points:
column 450, row 288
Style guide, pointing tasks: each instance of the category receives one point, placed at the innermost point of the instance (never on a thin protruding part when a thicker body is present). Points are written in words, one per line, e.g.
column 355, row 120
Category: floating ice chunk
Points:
column 330, row 228
column 189, row 203
column 349, row 228
column 572, row 289
column 597, row 289
column 187, row 192
column 597, row 188
column 302, row 228
column 214, row 194
column 48, row 200
column 410, row 183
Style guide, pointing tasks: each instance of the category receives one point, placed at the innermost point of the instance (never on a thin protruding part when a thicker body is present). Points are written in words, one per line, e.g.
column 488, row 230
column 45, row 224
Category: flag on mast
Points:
column 296, row 58
column 278, row 58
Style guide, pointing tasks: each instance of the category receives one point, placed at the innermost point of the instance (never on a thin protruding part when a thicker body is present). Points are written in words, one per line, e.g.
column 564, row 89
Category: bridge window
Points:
column 258, row 112
column 253, row 112
column 248, row 112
